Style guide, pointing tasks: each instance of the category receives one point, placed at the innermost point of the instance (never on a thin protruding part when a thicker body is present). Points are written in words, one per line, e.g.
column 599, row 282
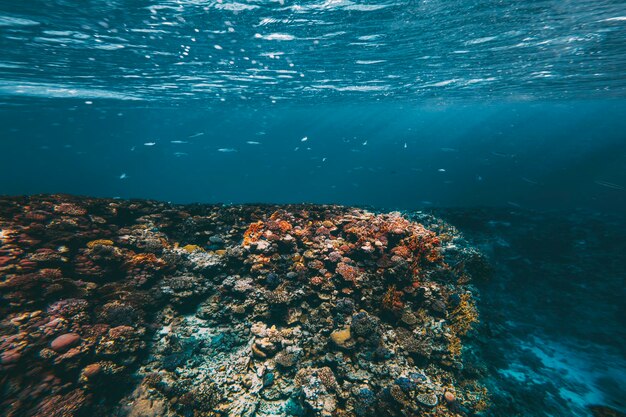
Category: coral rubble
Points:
column 210, row 310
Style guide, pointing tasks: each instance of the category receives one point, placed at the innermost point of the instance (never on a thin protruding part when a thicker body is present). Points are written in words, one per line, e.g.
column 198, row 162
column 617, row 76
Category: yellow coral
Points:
column 341, row 337
column 462, row 319
column 478, row 396
column 481, row 405
column 102, row 242
column 464, row 316
column 192, row 248
column 454, row 346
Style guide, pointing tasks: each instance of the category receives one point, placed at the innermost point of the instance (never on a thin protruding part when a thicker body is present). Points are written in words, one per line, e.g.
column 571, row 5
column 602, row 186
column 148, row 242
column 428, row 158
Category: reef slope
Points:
column 142, row 308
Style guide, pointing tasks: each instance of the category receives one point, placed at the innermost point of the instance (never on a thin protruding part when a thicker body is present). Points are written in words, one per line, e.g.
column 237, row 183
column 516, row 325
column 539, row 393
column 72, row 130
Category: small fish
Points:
column 123, row 176
column 514, row 204
column 502, row 155
column 253, row 142
column 178, row 141
column 196, row 135
column 448, row 150
column 149, row 144
column 364, row 143
column 133, row 148
column 227, row 150
column 610, row 185
column 529, row 181
column 405, row 145
column 304, row 139
column 179, row 154
column 323, row 159
column 296, row 148
column 441, row 170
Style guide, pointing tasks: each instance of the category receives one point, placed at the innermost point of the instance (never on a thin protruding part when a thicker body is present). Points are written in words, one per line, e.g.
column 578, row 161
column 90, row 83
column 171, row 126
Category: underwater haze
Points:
column 500, row 125
column 531, row 155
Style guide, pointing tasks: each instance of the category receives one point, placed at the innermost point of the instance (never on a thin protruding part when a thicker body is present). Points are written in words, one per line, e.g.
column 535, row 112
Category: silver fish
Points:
column 610, row 185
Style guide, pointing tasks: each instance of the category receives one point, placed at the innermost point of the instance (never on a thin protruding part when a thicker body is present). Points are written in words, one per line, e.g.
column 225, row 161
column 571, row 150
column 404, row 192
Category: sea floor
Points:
column 554, row 310
column 142, row 308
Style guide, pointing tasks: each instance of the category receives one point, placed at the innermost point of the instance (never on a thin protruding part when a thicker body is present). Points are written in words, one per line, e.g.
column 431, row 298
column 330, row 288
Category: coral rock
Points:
column 65, row 342
column 341, row 337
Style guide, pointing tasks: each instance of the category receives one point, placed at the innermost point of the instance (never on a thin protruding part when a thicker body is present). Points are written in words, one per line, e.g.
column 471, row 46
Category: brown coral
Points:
column 103, row 242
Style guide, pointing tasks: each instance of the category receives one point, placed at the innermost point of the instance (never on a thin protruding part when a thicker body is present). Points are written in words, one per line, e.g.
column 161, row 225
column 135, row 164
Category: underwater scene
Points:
column 336, row 208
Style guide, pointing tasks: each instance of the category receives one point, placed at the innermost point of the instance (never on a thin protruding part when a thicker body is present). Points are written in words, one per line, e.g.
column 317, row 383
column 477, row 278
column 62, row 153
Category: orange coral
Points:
column 401, row 251
column 316, row 281
column 259, row 262
column 253, row 233
column 424, row 243
column 278, row 222
column 146, row 259
column 299, row 232
column 276, row 215
column 284, row 226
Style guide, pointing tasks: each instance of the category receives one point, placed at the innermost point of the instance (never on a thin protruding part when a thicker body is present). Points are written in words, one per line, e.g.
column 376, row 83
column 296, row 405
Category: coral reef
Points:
column 114, row 307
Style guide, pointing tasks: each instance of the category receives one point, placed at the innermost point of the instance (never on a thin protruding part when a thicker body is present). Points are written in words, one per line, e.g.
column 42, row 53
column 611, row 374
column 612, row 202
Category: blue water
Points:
column 531, row 155
column 404, row 104
column 392, row 104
